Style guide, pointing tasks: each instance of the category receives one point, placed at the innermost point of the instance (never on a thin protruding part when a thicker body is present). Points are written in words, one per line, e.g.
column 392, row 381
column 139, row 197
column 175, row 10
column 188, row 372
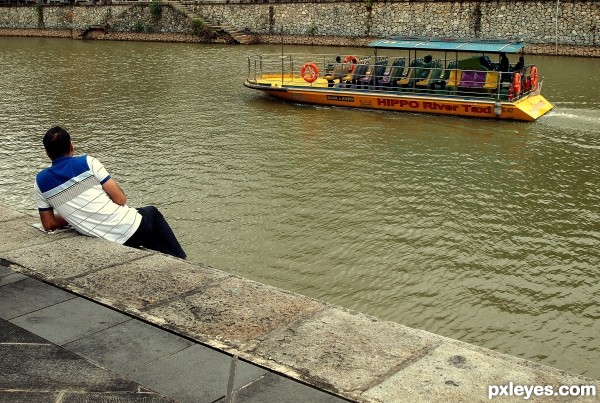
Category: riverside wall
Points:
column 134, row 22
column 567, row 28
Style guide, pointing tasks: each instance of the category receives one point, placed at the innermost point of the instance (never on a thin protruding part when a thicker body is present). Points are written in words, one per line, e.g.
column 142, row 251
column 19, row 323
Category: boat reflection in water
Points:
column 461, row 81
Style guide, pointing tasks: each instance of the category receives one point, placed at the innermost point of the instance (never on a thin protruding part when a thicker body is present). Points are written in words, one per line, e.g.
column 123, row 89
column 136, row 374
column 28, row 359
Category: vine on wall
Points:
column 40, row 15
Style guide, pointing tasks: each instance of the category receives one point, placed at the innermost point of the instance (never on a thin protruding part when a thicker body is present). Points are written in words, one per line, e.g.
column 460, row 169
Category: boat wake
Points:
column 574, row 119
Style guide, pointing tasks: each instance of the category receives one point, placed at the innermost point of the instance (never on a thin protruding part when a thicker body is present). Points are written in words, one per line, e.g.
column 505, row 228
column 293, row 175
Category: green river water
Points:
column 483, row 231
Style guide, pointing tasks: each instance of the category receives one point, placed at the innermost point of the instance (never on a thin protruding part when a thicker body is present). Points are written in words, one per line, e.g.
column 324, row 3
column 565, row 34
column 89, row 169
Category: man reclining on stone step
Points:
column 78, row 191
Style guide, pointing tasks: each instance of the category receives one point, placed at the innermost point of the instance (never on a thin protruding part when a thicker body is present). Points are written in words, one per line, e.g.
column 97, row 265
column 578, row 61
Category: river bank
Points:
column 533, row 49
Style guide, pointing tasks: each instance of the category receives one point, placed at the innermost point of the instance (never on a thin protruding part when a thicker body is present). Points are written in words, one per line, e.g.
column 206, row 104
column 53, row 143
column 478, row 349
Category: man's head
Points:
column 57, row 143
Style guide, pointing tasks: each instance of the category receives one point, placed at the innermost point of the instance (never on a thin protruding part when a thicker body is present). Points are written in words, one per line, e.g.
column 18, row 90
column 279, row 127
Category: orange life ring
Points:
column 309, row 72
column 534, row 77
column 351, row 59
column 517, row 84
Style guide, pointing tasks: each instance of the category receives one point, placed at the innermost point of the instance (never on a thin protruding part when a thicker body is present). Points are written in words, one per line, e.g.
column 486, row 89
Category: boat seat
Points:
column 448, row 76
column 432, row 76
column 389, row 80
column 339, row 71
column 413, row 70
column 454, row 78
column 491, row 80
column 406, row 79
column 472, row 79
column 360, row 70
column 376, row 73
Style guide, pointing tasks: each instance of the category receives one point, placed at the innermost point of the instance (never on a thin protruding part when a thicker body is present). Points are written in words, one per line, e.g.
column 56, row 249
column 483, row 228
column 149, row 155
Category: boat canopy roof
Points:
column 449, row 44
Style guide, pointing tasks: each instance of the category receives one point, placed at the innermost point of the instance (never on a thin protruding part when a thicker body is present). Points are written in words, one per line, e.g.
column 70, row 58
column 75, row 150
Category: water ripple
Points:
column 479, row 230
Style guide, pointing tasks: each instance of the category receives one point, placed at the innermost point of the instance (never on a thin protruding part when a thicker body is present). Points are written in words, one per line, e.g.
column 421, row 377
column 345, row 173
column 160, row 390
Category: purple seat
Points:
column 376, row 74
column 472, row 79
column 479, row 78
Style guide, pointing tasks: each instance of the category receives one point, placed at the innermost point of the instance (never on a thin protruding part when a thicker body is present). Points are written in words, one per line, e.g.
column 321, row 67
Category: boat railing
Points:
column 452, row 82
column 393, row 75
column 289, row 66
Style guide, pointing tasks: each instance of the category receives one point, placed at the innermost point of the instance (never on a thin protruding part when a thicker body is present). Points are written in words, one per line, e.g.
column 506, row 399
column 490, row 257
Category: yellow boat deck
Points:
column 279, row 81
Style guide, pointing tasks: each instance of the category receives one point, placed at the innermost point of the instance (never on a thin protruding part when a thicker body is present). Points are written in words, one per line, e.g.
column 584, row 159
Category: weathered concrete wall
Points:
column 564, row 27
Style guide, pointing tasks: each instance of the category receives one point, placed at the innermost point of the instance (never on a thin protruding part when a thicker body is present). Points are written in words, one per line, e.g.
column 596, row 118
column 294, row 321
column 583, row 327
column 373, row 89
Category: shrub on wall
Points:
column 198, row 26
column 156, row 9
column 138, row 26
column 200, row 29
column 141, row 27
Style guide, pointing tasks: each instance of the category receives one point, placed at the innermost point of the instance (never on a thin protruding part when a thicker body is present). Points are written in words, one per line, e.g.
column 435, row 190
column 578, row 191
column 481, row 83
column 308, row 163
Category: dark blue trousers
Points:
column 155, row 233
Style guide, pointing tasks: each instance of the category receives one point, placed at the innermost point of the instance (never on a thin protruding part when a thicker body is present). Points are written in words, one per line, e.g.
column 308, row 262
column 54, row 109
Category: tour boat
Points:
column 445, row 76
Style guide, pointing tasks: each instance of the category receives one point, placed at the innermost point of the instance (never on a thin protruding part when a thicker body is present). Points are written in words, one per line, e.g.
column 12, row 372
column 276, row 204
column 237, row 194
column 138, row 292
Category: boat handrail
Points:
column 417, row 78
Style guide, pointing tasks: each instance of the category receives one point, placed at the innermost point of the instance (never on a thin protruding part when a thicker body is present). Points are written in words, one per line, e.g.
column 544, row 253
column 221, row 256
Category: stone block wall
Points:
column 551, row 27
column 117, row 18
column 571, row 23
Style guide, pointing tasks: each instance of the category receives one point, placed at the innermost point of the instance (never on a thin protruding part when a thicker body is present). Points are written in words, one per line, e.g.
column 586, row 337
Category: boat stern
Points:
column 532, row 107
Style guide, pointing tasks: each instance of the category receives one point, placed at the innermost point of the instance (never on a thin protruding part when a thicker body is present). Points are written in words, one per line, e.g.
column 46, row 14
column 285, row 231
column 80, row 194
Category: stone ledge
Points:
column 352, row 355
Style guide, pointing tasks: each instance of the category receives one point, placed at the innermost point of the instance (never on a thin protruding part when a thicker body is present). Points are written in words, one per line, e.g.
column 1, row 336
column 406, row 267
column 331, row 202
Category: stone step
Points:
column 187, row 9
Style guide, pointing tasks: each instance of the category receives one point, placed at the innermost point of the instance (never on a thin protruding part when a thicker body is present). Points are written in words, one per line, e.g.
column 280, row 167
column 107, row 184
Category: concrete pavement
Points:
column 57, row 346
column 279, row 336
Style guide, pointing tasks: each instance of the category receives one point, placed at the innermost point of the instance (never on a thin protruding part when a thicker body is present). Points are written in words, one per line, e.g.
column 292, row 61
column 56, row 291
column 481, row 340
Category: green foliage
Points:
column 40, row 15
column 312, row 30
column 198, row 26
column 156, row 9
column 139, row 27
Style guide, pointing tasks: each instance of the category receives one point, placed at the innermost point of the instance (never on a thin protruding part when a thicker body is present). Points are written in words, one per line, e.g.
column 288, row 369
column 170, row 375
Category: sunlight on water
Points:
column 483, row 231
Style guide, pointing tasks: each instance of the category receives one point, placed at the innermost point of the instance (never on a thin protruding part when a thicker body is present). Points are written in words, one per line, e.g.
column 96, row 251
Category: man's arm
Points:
column 51, row 221
column 114, row 191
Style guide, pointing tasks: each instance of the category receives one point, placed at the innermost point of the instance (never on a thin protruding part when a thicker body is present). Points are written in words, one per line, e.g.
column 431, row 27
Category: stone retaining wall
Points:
column 566, row 23
column 571, row 28
column 117, row 18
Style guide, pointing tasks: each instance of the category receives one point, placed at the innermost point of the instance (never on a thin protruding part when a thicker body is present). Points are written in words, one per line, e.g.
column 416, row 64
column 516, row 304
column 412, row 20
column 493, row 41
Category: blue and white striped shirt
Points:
column 73, row 187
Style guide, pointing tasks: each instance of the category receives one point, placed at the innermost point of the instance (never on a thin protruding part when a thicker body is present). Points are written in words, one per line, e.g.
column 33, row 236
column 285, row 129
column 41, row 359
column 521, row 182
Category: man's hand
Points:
column 51, row 221
column 114, row 191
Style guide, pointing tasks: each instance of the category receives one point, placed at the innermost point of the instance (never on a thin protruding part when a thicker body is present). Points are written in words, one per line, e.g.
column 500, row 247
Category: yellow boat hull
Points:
column 528, row 108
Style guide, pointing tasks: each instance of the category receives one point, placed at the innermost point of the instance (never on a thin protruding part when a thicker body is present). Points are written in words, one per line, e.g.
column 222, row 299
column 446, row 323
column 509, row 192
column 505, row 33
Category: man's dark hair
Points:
column 57, row 142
